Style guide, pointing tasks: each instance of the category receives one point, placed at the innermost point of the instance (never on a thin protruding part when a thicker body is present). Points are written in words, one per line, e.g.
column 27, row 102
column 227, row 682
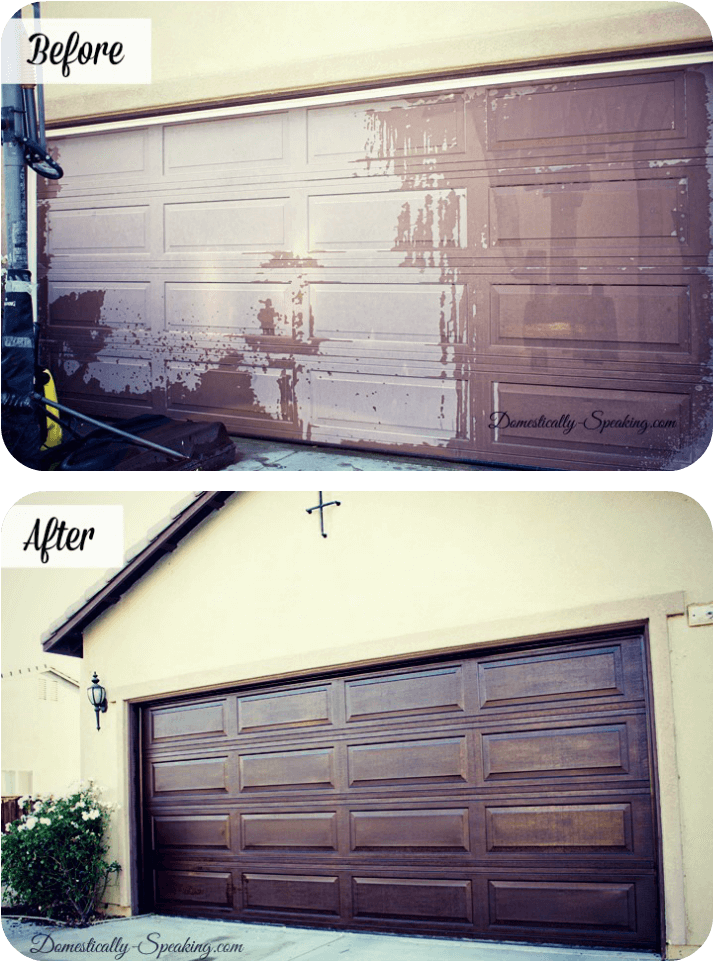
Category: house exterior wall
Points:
column 256, row 592
column 203, row 52
column 27, row 716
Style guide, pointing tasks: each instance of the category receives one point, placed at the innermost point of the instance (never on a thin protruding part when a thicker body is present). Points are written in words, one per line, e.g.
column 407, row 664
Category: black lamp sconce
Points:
column 97, row 697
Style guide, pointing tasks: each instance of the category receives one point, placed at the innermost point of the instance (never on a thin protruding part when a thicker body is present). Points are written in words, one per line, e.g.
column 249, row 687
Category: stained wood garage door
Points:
column 508, row 795
column 514, row 274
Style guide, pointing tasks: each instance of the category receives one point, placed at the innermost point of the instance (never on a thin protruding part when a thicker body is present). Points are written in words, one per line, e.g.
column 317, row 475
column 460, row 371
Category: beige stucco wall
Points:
column 256, row 592
column 207, row 51
column 26, row 719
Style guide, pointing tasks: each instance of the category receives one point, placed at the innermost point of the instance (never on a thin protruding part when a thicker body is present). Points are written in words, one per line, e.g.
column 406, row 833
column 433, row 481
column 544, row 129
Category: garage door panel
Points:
column 501, row 794
column 242, row 309
column 542, row 679
column 410, row 831
column 198, row 888
column 92, row 232
column 200, row 147
column 559, row 827
column 629, row 110
column 288, row 770
column 417, row 692
column 192, row 833
column 608, row 906
column 408, row 315
column 356, row 405
column 227, row 225
column 124, row 382
column 291, row 893
column 408, row 762
column 188, row 721
column 197, row 774
column 648, row 322
column 559, row 752
column 264, row 712
column 377, row 134
column 122, row 304
column 429, row 900
column 587, row 420
column 640, row 214
column 293, row 831
column 398, row 219
column 255, row 393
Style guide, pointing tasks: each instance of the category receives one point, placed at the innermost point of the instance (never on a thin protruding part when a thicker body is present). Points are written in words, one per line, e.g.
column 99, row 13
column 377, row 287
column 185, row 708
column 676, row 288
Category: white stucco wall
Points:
column 206, row 51
column 257, row 592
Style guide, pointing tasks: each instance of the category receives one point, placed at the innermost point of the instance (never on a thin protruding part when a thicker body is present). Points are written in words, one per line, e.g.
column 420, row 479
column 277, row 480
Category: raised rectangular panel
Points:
column 581, row 111
column 386, row 407
column 188, row 720
column 253, row 392
column 220, row 145
column 428, row 219
column 599, row 749
column 236, row 308
column 555, row 904
column 387, row 130
column 111, row 303
column 546, row 677
column 121, row 378
column 644, row 317
column 549, row 828
column 421, row 830
column 314, row 831
column 421, row 900
column 628, row 422
column 202, row 774
column 106, row 155
column 215, row 225
column 200, row 831
column 404, row 313
column 284, row 892
column 210, row 888
column 408, row 762
column 98, row 230
column 631, row 214
column 413, row 693
column 283, row 770
column 284, row 708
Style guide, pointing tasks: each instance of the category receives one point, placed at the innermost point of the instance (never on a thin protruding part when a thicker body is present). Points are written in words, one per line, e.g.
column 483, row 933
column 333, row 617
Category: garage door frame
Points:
column 141, row 899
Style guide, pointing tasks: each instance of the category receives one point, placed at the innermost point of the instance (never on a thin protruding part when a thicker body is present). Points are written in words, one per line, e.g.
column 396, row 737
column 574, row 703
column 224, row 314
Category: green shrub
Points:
column 54, row 857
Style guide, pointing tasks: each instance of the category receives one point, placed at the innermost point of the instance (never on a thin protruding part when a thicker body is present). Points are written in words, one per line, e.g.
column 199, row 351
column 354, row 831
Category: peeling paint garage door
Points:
column 516, row 274
column 505, row 796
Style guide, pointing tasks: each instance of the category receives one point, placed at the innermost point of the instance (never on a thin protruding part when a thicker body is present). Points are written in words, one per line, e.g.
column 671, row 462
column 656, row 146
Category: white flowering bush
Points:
column 54, row 856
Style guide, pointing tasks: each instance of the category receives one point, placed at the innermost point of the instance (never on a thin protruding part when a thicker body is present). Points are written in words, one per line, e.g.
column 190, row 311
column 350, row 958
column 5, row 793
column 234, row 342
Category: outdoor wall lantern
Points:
column 97, row 697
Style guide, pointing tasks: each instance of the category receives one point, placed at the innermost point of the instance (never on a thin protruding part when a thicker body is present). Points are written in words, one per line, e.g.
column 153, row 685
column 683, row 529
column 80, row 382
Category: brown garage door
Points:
column 515, row 274
column 508, row 795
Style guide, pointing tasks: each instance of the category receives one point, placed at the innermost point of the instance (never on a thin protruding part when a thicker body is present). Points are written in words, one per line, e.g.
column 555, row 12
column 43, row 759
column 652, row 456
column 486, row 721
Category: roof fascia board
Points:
column 68, row 638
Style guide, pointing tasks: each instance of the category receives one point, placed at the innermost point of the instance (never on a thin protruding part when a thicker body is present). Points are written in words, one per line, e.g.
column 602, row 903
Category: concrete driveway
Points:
column 160, row 938
column 273, row 455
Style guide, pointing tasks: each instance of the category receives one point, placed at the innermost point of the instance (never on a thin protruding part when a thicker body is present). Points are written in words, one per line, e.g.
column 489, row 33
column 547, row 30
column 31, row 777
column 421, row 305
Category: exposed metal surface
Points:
column 507, row 795
column 514, row 273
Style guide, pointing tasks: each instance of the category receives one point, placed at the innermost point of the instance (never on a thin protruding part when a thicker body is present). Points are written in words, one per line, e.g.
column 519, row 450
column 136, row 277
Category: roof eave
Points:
column 68, row 638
